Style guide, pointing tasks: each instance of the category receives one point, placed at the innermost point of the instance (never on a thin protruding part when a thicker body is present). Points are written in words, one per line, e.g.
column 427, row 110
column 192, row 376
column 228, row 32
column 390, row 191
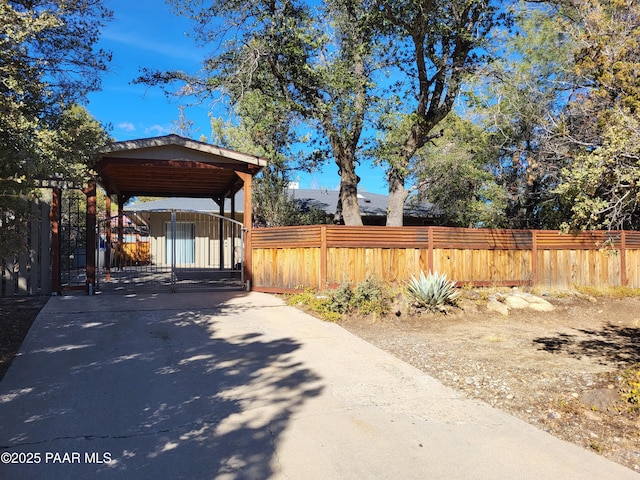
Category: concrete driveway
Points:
column 230, row 385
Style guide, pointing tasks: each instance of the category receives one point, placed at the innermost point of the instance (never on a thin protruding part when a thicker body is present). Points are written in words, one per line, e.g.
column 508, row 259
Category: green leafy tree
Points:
column 325, row 63
column 562, row 107
column 518, row 99
column 48, row 64
column 266, row 129
column 601, row 122
column 434, row 47
column 604, row 184
column 454, row 172
column 312, row 60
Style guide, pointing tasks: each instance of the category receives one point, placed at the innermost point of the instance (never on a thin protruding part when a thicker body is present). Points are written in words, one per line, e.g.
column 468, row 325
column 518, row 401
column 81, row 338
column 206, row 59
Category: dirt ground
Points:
column 561, row 371
column 16, row 316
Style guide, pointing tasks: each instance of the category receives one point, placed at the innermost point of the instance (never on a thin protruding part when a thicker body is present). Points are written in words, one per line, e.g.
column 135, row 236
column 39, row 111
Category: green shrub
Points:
column 371, row 297
column 320, row 304
column 630, row 392
column 432, row 291
column 340, row 299
column 368, row 297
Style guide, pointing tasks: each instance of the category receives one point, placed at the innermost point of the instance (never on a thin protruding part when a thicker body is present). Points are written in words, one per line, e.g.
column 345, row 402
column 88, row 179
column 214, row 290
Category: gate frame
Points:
column 57, row 187
column 173, row 288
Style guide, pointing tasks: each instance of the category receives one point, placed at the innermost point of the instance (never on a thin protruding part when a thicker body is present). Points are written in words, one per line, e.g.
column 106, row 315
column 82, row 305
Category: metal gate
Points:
column 169, row 250
column 73, row 239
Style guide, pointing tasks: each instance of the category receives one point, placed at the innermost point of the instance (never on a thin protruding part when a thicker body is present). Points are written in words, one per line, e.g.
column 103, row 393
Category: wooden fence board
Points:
column 29, row 273
column 384, row 237
column 335, row 254
column 633, row 268
column 9, row 278
column 633, row 240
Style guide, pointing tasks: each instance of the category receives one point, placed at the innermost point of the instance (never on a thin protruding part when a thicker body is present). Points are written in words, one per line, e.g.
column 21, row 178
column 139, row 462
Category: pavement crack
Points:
column 137, row 434
column 274, row 436
column 83, row 437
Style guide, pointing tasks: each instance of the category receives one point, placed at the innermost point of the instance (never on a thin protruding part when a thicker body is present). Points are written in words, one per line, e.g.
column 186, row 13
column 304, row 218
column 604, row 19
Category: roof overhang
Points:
column 172, row 165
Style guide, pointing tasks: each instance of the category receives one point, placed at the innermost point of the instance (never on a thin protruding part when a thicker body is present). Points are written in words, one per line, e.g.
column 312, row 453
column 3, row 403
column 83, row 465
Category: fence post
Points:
column 25, row 264
column 247, row 264
column 623, row 259
column 33, row 284
column 534, row 257
column 174, row 232
column 430, row 249
column 44, row 245
column 247, row 179
column 107, row 238
column 220, row 202
column 54, row 217
column 323, row 257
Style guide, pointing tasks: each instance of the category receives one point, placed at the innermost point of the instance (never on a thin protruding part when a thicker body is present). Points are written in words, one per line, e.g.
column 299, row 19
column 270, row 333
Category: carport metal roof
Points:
column 172, row 165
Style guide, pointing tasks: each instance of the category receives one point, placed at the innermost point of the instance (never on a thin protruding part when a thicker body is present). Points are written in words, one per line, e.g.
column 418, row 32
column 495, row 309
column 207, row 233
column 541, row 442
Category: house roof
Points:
column 371, row 204
column 172, row 165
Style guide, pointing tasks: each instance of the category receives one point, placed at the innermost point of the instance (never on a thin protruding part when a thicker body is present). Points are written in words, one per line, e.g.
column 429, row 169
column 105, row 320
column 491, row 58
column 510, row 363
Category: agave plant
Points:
column 432, row 291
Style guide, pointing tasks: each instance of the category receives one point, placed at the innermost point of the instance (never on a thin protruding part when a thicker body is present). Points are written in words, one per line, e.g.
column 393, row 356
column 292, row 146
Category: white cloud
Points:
column 126, row 126
column 178, row 49
column 158, row 130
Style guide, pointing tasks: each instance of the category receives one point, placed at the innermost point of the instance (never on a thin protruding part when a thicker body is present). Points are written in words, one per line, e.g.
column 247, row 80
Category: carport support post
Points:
column 232, row 234
column 90, row 192
column 247, row 178
column 120, row 245
column 107, row 240
column 221, row 229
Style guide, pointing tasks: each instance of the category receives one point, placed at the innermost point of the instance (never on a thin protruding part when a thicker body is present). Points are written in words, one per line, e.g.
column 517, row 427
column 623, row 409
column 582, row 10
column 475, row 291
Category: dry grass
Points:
column 609, row 292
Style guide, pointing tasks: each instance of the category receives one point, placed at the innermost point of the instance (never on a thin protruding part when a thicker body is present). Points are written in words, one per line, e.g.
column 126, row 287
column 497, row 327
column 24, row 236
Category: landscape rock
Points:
column 496, row 306
column 516, row 301
column 527, row 300
column 584, row 296
column 601, row 399
column 551, row 415
column 541, row 306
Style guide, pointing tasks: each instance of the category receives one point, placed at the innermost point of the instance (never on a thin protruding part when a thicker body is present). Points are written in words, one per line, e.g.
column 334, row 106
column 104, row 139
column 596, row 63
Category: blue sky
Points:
column 145, row 33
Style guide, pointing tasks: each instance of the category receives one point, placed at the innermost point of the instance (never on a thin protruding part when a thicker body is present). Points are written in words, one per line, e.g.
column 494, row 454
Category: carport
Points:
column 165, row 166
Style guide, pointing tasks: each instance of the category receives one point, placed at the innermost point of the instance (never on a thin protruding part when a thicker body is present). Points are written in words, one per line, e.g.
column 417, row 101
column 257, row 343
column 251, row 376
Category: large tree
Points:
column 601, row 123
column 455, row 172
column 327, row 61
column 313, row 60
column 562, row 108
column 435, row 45
column 518, row 98
column 48, row 64
column 265, row 128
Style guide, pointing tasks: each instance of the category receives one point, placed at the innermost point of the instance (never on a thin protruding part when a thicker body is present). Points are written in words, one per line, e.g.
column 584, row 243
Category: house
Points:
column 190, row 232
column 199, row 221
column 373, row 206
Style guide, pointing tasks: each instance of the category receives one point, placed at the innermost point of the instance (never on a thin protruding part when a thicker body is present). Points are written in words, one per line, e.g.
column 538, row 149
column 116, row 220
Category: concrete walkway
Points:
column 230, row 385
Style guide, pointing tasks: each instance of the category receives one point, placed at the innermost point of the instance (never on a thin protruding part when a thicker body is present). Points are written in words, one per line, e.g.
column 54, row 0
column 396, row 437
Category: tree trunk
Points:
column 349, row 193
column 397, row 197
column 337, row 216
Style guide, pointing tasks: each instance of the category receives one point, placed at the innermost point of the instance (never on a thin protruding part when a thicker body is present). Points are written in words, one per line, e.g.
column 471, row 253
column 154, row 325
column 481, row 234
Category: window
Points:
column 185, row 243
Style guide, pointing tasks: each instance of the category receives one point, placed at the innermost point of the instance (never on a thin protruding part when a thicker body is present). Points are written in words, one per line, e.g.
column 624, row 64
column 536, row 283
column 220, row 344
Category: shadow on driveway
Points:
column 162, row 391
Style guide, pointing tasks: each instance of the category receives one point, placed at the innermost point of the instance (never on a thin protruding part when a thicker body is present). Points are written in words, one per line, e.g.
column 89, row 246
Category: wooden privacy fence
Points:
column 320, row 256
column 30, row 272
